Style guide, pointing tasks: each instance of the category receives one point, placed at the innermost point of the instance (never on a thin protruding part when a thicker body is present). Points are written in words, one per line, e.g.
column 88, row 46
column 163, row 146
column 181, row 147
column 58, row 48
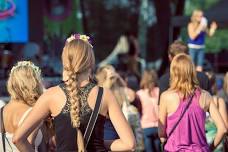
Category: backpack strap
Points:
column 93, row 117
column 3, row 130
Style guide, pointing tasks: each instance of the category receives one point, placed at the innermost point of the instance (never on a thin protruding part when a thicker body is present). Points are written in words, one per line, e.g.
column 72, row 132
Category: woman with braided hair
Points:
column 72, row 103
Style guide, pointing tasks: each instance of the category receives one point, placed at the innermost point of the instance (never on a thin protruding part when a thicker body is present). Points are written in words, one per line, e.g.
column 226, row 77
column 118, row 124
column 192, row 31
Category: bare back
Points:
column 173, row 99
column 54, row 100
column 13, row 113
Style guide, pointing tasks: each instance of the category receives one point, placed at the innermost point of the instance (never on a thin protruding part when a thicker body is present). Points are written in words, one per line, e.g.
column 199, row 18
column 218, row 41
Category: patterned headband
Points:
column 26, row 64
column 85, row 38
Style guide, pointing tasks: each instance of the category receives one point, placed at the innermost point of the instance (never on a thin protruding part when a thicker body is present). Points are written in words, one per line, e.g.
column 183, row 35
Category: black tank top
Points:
column 66, row 135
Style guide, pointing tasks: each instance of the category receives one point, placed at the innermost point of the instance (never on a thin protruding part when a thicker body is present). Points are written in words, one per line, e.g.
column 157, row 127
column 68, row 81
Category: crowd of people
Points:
column 117, row 107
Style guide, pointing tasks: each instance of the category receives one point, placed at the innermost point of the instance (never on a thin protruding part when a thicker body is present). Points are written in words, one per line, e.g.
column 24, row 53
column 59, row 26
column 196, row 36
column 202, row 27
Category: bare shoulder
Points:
column 190, row 25
column 206, row 94
column 52, row 92
column 107, row 93
column 93, row 96
column 167, row 94
column 14, row 111
column 16, row 108
column 108, row 96
column 205, row 99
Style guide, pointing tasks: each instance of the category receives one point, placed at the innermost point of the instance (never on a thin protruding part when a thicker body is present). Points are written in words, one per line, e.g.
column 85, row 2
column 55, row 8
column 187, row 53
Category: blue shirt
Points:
column 199, row 40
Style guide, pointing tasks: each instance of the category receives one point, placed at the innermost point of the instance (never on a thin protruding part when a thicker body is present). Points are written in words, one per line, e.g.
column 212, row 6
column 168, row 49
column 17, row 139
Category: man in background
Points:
column 176, row 48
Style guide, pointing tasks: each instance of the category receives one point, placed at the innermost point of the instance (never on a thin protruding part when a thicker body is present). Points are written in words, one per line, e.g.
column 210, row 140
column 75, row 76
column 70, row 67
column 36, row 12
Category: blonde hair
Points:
column 149, row 79
column 225, row 83
column 183, row 75
column 101, row 73
column 24, row 82
column 116, row 85
column 77, row 58
column 195, row 14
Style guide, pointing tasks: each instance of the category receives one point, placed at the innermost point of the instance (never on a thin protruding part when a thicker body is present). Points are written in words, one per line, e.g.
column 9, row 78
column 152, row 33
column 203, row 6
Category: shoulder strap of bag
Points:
column 3, row 130
column 93, row 117
column 175, row 126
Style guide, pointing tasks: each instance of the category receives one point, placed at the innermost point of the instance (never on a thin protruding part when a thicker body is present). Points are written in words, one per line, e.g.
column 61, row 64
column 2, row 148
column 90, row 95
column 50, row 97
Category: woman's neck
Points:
column 15, row 101
column 83, row 79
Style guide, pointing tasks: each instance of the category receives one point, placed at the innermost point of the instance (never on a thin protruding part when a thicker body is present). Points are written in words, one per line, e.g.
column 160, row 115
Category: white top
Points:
column 10, row 147
column 2, row 103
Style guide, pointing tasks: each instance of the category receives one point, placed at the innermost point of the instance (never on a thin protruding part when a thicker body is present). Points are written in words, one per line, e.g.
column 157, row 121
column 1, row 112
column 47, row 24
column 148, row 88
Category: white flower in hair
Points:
column 72, row 37
column 24, row 64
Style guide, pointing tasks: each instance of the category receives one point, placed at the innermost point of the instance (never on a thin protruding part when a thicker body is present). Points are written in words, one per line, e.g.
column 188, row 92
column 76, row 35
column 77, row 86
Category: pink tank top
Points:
column 189, row 135
column 149, row 104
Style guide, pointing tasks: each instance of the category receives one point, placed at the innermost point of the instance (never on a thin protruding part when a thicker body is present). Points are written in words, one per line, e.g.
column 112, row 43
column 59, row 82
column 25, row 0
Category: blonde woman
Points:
column 189, row 133
column 24, row 86
column 107, row 77
column 71, row 104
column 197, row 30
column 149, row 94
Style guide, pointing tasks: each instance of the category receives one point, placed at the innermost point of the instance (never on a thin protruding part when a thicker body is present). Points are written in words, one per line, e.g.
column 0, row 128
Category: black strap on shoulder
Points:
column 175, row 126
column 93, row 117
column 62, row 86
column 3, row 130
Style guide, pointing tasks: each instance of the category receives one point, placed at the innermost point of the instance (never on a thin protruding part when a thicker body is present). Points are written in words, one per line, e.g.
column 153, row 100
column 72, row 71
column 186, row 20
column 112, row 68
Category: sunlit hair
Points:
column 78, row 58
column 183, row 75
column 225, row 83
column 24, row 83
column 116, row 84
column 101, row 73
column 195, row 14
column 149, row 79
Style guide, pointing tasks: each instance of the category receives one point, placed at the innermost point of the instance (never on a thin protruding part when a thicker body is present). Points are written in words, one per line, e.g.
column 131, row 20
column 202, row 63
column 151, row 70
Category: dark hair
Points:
column 177, row 47
column 212, row 80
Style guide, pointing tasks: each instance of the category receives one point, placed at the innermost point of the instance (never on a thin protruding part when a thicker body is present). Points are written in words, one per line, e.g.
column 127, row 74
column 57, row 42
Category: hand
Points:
column 203, row 23
column 213, row 26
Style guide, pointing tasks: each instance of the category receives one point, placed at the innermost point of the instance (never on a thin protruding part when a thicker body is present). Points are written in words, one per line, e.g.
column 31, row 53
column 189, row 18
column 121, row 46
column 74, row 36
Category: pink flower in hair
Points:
column 85, row 38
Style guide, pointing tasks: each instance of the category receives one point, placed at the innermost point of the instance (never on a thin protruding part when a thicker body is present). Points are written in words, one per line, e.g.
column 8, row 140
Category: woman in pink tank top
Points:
column 189, row 133
column 148, row 95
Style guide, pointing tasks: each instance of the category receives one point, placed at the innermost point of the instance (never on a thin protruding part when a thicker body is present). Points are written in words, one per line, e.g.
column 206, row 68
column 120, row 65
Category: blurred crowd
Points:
column 185, row 109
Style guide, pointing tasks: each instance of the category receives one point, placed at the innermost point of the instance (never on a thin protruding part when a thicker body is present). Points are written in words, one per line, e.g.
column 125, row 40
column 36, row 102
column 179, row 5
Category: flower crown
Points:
column 26, row 64
column 85, row 38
